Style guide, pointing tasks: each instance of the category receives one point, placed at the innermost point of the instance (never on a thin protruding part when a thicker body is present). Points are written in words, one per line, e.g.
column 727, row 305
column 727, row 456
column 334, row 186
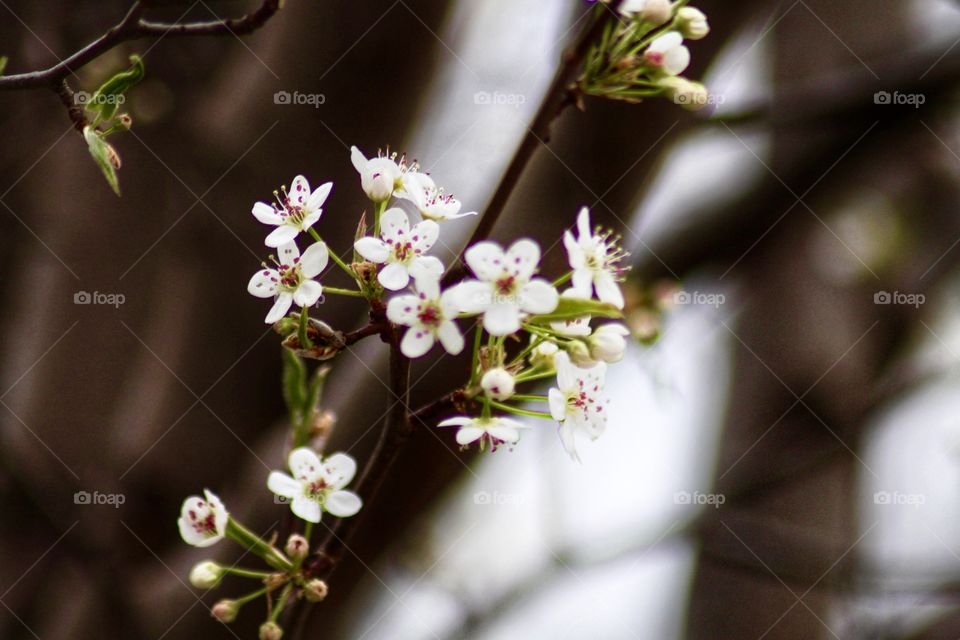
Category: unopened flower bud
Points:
column 542, row 354
column 580, row 354
column 297, row 547
column 655, row 12
column 206, row 575
column 498, row 384
column 226, row 610
column 315, row 590
column 270, row 631
column 692, row 23
column 607, row 342
column 692, row 96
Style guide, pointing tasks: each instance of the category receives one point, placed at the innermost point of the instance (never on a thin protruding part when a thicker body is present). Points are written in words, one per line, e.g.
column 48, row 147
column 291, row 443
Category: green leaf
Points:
column 3, row 63
column 569, row 308
column 104, row 155
column 294, row 386
column 106, row 100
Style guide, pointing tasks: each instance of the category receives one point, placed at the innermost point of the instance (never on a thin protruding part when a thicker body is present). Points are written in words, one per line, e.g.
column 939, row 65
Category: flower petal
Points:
column 676, row 60
column 522, row 258
column 315, row 259
column 538, row 296
column 569, row 441
column 263, row 284
column 307, row 293
column 566, row 371
column 343, row 504
column 456, row 421
column 427, row 269
column 306, row 508
column 424, row 234
column 394, row 276
column 416, row 342
column 283, row 485
column 358, row 159
column 505, row 433
column 403, row 309
column 394, row 225
column 450, row 337
column 319, row 196
column 485, row 259
column 372, row 249
column 608, row 290
column 279, row 308
column 288, row 252
column 471, row 296
column 558, row 405
column 466, row 435
column 305, row 464
column 281, row 235
column 299, row 191
column 266, row 214
column 502, row 319
column 339, row 469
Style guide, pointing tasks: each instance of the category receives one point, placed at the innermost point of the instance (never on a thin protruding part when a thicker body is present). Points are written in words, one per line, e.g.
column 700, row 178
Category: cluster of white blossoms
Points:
column 644, row 55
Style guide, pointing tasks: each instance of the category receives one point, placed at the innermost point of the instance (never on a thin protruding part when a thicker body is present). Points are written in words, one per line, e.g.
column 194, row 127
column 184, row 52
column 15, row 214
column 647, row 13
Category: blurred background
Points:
column 783, row 462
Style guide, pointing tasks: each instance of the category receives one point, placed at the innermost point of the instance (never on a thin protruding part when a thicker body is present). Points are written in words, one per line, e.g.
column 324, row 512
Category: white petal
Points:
column 307, row 293
column 394, row 225
column 667, row 41
column 424, row 234
column 315, row 259
column 281, row 235
column 566, row 371
column 219, row 511
column 306, row 508
column 319, row 196
column 676, row 60
column 583, row 223
column 575, row 255
column 339, row 469
column 608, row 290
column 343, row 504
column 299, row 191
column 283, row 485
column 538, row 296
column 427, row 269
column 358, row 159
column 305, row 464
column 288, row 252
column 450, row 337
column 485, row 259
column 263, row 284
column 372, row 249
column 456, row 421
column 558, row 405
column 394, row 276
column 522, row 258
column 466, row 435
column 569, row 441
column 501, row 319
column 416, row 342
column 266, row 214
column 505, row 433
column 279, row 308
column 311, row 219
column 403, row 309
column 472, row 296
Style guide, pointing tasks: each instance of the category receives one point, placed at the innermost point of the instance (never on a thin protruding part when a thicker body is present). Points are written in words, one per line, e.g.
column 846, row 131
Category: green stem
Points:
column 520, row 397
column 281, row 603
column 246, row 573
column 521, row 412
column 528, row 349
column 305, row 342
column 475, row 366
column 242, row 600
column 343, row 292
column 381, row 207
column 559, row 281
column 248, row 539
column 535, row 376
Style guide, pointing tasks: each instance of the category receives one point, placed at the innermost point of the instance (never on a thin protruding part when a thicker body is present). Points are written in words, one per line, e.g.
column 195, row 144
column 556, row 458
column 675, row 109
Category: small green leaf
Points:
column 106, row 100
column 569, row 308
column 3, row 63
column 294, row 385
column 104, row 155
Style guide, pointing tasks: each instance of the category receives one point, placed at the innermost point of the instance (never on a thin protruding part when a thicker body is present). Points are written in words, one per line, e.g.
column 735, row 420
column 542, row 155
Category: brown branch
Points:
column 561, row 93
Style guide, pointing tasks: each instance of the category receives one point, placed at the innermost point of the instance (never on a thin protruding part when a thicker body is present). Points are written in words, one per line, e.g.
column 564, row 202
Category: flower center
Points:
column 430, row 315
column 654, row 58
column 205, row 525
column 316, row 490
column 290, row 276
column 505, row 285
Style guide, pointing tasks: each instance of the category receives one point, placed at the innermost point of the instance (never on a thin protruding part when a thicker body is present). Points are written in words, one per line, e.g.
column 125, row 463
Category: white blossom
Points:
column 595, row 259
column 317, row 485
column 380, row 177
column 298, row 211
column 655, row 12
column 430, row 200
column 402, row 249
column 203, row 521
column 206, row 575
column 505, row 288
column 498, row 384
column 292, row 279
column 667, row 54
column 430, row 315
column 692, row 23
column 494, row 430
column 607, row 343
column 578, row 404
